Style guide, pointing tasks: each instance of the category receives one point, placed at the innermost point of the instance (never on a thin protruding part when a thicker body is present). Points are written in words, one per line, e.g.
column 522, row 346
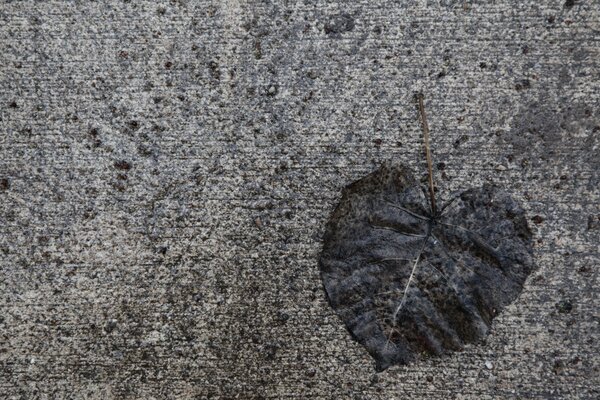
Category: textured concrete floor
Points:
column 167, row 169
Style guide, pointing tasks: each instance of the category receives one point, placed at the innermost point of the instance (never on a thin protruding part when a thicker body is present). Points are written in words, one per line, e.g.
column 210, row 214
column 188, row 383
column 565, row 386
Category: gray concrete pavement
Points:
column 167, row 169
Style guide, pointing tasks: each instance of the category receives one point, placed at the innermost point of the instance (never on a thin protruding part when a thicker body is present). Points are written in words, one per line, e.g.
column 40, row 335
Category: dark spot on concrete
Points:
column 270, row 351
column 441, row 166
column 133, row 125
column 4, row 184
column 258, row 49
column 377, row 142
column 123, row 54
column 282, row 317
column 13, row 104
column 458, row 142
column 537, row 219
column 523, row 84
column 198, row 178
column 558, row 366
column 569, row 4
column 94, row 133
column 110, row 326
column 564, row 306
column 168, row 65
column 339, row 24
column 215, row 72
column 312, row 74
column 550, row 19
column 307, row 97
column 584, row 269
column 144, row 150
column 122, row 165
column 593, row 222
column 539, row 133
column 482, row 65
column 122, row 177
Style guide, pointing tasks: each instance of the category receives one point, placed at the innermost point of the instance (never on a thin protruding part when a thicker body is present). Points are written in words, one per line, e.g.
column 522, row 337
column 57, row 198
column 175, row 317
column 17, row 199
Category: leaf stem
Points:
column 427, row 151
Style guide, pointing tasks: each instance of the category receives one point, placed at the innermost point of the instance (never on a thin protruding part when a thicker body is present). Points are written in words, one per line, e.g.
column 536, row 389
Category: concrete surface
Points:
column 167, row 169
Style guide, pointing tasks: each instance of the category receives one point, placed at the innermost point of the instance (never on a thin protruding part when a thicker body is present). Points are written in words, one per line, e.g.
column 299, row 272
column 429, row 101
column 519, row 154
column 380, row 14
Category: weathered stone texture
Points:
column 167, row 169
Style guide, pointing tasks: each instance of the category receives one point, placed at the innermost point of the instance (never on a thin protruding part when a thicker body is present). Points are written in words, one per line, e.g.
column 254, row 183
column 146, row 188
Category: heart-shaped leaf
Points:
column 407, row 281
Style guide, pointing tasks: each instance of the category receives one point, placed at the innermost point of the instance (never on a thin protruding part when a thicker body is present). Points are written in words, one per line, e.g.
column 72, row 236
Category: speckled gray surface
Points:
column 167, row 170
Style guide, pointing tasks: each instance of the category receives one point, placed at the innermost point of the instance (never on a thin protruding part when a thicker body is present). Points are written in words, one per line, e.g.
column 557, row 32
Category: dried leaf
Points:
column 408, row 282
